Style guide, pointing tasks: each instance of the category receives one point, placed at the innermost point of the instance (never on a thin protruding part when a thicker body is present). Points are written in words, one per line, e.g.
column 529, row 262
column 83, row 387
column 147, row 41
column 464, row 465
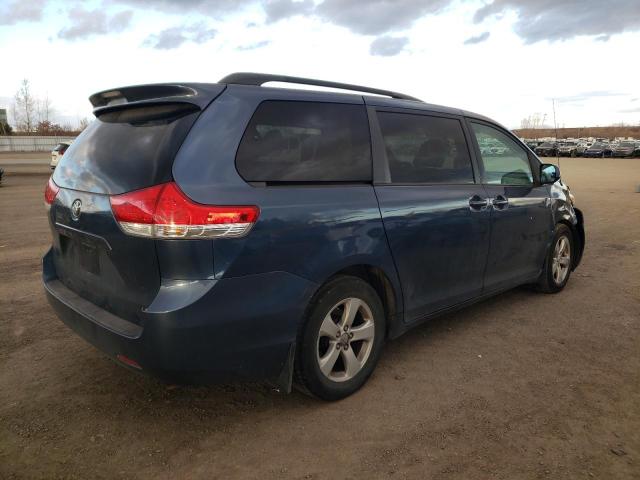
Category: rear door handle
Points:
column 500, row 202
column 477, row 203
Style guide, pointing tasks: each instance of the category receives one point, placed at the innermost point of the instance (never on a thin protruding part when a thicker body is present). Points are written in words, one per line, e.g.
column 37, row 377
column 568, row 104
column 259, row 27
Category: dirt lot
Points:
column 521, row 386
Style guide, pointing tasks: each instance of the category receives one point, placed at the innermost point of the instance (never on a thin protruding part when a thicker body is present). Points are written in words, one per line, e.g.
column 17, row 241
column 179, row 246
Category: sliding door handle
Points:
column 477, row 203
column 500, row 202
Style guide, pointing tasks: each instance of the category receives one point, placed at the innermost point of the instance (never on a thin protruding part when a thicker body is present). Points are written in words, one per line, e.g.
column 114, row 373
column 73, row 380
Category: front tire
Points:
column 559, row 261
column 341, row 340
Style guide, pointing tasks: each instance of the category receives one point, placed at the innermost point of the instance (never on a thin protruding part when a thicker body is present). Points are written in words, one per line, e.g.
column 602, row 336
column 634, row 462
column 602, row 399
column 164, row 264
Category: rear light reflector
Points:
column 50, row 192
column 163, row 211
column 128, row 361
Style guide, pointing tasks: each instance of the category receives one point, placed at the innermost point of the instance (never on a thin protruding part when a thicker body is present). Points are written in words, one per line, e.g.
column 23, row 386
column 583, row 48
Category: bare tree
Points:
column 44, row 109
column 24, row 107
column 533, row 121
column 84, row 123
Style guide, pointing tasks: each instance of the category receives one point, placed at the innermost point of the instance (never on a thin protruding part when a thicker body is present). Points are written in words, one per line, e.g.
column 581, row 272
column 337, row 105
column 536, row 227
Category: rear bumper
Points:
column 205, row 331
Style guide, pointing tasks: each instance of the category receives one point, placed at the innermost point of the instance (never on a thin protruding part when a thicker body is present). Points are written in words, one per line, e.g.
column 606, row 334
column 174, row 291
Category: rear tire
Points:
column 341, row 340
column 559, row 261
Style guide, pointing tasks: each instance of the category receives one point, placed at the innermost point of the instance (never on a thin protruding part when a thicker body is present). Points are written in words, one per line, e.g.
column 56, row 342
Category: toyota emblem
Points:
column 76, row 208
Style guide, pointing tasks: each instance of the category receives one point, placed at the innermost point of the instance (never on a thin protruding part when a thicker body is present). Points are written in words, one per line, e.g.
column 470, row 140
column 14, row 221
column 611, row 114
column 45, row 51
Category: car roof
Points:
column 202, row 93
column 389, row 97
column 370, row 100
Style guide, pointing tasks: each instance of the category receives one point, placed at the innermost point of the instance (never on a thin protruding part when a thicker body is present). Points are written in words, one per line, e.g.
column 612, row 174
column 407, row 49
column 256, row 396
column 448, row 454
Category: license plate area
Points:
column 80, row 251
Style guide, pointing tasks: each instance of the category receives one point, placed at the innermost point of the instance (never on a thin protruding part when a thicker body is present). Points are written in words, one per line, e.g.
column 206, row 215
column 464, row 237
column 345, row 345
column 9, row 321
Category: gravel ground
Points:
column 523, row 385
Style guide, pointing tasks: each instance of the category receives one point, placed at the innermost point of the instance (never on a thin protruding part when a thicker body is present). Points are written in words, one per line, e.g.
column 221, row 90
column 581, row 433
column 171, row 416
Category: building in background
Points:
column 5, row 129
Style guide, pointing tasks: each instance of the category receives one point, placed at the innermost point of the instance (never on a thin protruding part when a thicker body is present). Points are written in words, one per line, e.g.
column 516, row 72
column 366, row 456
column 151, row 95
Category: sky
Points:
column 506, row 59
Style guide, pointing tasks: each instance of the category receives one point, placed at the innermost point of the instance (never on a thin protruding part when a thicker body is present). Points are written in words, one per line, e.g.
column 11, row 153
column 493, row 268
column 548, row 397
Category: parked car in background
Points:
column 608, row 148
column 568, row 149
column 532, row 144
column 322, row 225
column 582, row 146
column 58, row 152
column 624, row 149
column 596, row 150
column 547, row 149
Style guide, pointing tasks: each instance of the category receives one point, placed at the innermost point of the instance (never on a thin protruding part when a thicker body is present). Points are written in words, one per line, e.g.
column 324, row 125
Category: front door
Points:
column 435, row 215
column 521, row 222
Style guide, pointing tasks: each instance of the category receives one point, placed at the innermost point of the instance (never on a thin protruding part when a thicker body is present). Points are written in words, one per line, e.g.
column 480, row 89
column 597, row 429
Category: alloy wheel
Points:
column 561, row 261
column 345, row 340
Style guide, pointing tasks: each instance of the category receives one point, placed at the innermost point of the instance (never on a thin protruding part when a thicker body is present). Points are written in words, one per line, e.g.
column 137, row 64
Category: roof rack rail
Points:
column 247, row 78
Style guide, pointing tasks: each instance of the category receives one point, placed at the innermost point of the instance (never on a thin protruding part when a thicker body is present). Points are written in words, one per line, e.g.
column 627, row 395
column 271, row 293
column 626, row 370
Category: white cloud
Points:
column 504, row 78
column 86, row 23
column 388, row 46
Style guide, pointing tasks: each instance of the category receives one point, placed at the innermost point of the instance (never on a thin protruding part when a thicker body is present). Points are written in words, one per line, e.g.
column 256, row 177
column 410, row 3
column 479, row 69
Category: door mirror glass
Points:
column 549, row 173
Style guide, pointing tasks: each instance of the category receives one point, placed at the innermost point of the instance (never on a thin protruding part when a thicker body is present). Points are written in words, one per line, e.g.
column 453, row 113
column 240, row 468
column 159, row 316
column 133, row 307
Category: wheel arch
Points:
column 577, row 230
column 389, row 292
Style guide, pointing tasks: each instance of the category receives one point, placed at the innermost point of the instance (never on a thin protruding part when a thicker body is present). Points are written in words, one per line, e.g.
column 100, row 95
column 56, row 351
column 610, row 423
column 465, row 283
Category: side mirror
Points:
column 549, row 173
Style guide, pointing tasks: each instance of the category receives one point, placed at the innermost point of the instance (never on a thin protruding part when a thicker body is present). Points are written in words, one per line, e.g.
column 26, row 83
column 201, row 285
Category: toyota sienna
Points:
column 215, row 232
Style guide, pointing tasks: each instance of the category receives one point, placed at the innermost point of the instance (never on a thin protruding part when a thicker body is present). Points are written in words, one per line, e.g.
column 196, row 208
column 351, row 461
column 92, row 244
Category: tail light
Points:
column 163, row 211
column 50, row 192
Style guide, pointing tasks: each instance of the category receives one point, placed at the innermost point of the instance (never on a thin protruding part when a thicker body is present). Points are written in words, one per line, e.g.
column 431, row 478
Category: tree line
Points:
column 33, row 115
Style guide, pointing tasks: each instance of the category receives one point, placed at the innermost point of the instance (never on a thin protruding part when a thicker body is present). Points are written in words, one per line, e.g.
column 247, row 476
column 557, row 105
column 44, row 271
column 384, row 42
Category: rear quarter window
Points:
column 289, row 141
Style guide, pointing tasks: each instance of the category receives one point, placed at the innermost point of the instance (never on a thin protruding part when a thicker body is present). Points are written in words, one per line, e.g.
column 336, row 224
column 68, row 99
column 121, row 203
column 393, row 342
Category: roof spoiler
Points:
column 248, row 78
column 199, row 95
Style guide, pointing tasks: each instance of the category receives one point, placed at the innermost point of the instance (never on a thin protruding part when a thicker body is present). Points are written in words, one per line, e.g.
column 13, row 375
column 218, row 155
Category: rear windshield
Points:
column 125, row 150
column 290, row 141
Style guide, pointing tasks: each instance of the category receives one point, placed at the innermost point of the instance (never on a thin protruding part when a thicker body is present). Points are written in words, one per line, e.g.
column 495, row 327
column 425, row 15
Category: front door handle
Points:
column 477, row 203
column 500, row 202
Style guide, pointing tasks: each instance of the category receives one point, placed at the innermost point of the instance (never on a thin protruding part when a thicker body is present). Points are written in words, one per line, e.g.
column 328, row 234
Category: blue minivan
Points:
column 231, row 231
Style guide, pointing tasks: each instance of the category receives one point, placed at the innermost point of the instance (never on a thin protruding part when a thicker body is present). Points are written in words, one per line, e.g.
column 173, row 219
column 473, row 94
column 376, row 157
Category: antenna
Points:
column 555, row 126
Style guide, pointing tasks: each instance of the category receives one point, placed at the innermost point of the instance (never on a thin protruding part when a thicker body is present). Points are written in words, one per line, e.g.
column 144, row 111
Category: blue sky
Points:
column 504, row 58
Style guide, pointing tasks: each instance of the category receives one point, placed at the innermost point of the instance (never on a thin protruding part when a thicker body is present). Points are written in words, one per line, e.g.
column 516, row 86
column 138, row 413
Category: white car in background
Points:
column 58, row 152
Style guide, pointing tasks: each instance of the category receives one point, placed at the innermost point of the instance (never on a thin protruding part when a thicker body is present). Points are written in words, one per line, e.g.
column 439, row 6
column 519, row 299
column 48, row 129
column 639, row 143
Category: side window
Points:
column 424, row 149
column 288, row 141
column 505, row 162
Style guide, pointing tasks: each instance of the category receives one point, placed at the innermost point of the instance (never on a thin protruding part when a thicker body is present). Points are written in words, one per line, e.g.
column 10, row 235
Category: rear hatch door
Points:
column 129, row 146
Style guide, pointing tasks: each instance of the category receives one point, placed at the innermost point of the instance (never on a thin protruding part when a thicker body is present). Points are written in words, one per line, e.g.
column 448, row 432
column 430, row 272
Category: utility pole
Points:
column 555, row 125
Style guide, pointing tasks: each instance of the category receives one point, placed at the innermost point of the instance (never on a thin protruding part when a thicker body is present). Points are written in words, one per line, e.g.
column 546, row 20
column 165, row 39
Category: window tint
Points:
column 424, row 149
column 306, row 142
column 505, row 162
